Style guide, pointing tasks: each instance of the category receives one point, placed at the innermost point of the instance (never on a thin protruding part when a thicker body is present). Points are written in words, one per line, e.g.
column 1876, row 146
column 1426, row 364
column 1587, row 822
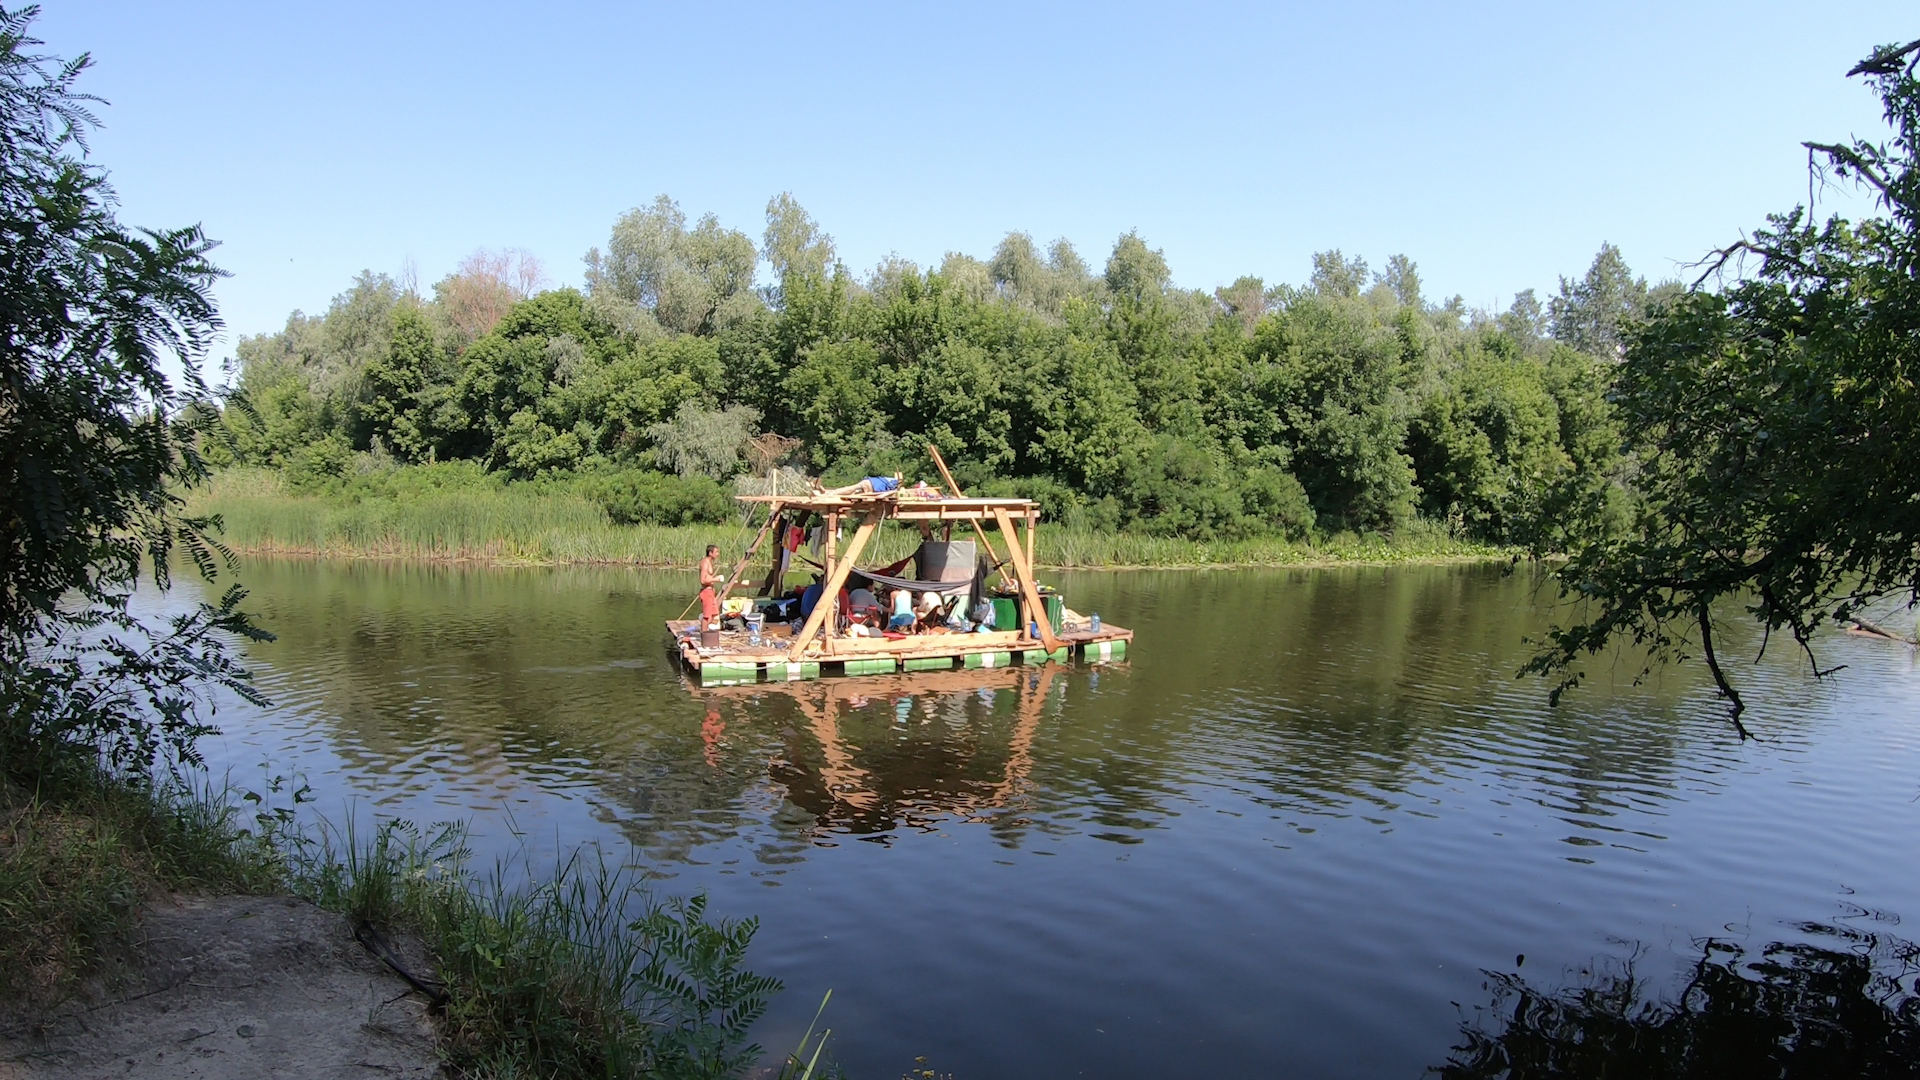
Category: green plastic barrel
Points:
column 1006, row 615
column 1054, row 606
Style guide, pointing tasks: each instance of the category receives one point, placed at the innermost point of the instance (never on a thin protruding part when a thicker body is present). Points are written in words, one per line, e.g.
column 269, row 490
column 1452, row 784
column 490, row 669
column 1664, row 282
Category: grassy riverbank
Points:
column 539, row 524
column 558, row 978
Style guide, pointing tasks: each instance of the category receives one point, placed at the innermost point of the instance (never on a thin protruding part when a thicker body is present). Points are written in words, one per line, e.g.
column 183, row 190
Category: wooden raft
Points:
column 814, row 648
column 737, row 662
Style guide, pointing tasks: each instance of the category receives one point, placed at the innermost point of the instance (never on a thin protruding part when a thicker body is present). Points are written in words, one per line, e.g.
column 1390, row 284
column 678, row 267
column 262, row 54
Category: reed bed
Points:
column 529, row 524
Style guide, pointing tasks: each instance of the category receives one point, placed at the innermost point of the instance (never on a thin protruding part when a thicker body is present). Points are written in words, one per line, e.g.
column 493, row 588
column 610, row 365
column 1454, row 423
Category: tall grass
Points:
column 578, row 972
column 583, row 973
column 80, row 853
column 536, row 524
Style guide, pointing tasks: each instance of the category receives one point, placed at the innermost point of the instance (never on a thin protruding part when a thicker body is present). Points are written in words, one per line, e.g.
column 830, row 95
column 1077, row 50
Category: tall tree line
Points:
column 1115, row 397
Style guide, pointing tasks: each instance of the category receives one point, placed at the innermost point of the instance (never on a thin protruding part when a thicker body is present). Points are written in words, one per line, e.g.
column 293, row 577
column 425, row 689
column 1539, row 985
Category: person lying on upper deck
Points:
column 872, row 485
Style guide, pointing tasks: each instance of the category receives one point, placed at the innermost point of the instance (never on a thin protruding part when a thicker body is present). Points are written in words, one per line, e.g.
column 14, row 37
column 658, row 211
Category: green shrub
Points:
column 1272, row 501
column 644, row 498
column 317, row 463
column 557, row 978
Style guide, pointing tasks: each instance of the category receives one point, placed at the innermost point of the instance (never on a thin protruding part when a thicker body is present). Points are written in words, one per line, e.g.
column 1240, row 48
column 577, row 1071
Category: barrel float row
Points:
column 731, row 673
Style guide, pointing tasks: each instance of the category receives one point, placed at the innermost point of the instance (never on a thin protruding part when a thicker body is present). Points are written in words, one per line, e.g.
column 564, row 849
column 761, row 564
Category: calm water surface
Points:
column 1289, row 837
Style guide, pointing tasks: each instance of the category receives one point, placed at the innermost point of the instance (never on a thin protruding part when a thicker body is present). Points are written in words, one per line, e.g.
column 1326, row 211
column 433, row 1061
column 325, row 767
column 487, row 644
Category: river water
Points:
column 1291, row 835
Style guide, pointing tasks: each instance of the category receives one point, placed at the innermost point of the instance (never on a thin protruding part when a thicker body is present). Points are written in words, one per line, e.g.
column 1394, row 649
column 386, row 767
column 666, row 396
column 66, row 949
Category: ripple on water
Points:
column 1295, row 827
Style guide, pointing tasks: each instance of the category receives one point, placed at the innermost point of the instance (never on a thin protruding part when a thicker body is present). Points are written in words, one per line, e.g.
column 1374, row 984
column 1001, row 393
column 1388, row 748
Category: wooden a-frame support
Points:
column 999, row 564
column 843, row 565
column 829, row 602
column 1023, row 569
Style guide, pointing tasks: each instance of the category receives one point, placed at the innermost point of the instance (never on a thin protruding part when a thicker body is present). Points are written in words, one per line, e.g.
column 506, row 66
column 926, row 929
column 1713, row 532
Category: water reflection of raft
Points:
column 858, row 766
column 819, row 647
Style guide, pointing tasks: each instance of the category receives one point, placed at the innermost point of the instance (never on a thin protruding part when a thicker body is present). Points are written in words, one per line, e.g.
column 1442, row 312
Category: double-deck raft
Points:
column 1032, row 626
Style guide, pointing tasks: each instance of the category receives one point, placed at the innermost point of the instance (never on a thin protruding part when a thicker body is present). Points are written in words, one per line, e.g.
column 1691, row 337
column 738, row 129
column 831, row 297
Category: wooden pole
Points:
column 1024, row 570
column 779, row 549
column 773, row 515
column 829, row 546
column 999, row 563
column 830, row 598
column 1033, row 524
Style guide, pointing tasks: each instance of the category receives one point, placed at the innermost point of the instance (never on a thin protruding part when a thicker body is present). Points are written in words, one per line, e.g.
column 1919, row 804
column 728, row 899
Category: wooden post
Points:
column 830, row 598
column 773, row 515
column 1033, row 524
column 1024, row 570
column 941, row 463
column 830, row 544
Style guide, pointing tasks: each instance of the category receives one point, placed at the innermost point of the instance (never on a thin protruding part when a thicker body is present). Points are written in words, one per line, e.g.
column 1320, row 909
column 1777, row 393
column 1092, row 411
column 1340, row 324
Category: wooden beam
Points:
column 1033, row 525
column 829, row 547
column 779, row 550
column 977, row 530
column 773, row 515
column 1024, row 570
column 830, row 596
column 933, row 644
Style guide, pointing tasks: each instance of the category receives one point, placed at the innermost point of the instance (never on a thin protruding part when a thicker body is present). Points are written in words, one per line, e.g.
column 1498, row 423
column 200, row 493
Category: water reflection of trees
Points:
column 1839, row 1003
column 1323, row 693
column 1336, row 692
column 476, row 684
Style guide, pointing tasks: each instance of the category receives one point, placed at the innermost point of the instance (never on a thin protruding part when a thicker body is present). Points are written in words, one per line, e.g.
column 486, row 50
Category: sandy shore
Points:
column 231, row 988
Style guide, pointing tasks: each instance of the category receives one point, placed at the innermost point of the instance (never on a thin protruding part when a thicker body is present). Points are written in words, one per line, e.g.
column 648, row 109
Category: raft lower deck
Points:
column 735, row 661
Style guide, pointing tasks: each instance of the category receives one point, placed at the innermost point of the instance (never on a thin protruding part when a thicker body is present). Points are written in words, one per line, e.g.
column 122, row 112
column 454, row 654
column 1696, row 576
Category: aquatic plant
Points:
column 550, row 973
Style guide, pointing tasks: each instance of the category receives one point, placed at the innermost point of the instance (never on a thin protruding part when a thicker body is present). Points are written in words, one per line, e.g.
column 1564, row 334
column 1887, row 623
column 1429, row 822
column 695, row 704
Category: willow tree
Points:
column 1776, row 426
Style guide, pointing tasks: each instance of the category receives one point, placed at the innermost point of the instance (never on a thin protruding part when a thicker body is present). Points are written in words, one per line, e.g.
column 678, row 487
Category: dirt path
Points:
column 234, row 988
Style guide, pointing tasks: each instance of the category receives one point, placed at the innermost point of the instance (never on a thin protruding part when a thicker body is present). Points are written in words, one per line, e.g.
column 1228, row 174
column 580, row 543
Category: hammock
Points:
column 884, row 576
column 947, row 588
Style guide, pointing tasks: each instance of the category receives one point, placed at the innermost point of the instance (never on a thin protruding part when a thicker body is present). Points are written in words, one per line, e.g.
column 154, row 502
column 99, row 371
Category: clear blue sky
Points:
column 1496, row 144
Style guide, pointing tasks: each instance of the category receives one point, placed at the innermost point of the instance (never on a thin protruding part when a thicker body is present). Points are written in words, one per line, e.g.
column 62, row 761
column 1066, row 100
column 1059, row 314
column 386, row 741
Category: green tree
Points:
column 1593, row 313
column 1326, row 383
column 1775, row 424
column 1040, row 284
column 1486, row 447
column 794, row 244
column 94, row 445
column 705, row 442
column 693, row 281
column 400, row 386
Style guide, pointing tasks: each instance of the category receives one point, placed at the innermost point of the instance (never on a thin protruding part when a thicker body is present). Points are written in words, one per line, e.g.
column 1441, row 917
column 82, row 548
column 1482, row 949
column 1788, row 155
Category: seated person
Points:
column 983, row 617
column 929, row 611
column 903, row 619
column 865, row 608
column 810, row 596
column 872, row 485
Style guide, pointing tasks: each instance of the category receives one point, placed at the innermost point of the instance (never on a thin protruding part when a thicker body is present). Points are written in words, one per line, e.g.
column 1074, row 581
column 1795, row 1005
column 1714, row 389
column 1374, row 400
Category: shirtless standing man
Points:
column 709, row 577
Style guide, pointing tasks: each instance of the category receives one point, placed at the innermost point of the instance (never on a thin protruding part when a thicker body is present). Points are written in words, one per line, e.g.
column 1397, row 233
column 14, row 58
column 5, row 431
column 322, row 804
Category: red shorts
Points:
column 709, row 604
